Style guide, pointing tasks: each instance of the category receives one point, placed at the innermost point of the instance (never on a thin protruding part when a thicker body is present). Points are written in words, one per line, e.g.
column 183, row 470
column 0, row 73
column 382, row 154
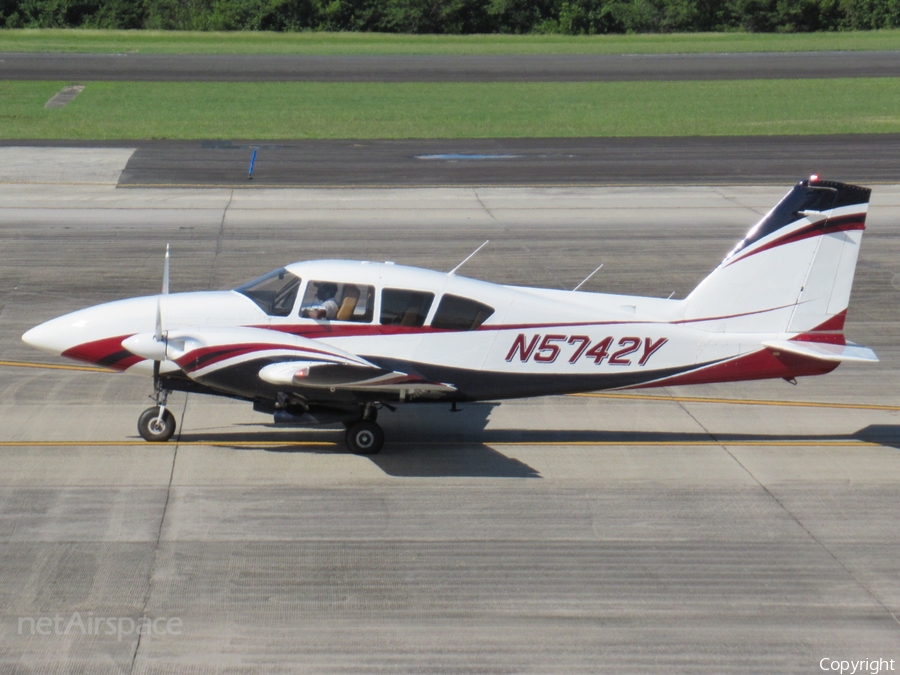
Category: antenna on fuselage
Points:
column 471, row 255
column 588, row 278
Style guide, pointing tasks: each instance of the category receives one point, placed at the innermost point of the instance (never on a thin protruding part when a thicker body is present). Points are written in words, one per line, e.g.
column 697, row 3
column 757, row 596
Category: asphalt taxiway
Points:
column 729, row 528
column 488, row 162
column 447, row 67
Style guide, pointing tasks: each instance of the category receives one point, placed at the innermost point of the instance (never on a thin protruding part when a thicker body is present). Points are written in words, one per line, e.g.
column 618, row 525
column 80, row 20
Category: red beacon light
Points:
column 814, row 178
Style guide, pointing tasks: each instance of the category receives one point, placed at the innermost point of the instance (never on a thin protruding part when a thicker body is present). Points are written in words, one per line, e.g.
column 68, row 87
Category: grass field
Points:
column 175, row 42
column 128, row 110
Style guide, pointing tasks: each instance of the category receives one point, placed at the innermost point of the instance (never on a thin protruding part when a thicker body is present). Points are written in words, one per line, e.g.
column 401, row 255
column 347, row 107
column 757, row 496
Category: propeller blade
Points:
column 165, row 285
column 158, row 334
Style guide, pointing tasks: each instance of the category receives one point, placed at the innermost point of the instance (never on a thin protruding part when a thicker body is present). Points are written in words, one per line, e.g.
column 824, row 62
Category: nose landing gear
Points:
column 157, row 424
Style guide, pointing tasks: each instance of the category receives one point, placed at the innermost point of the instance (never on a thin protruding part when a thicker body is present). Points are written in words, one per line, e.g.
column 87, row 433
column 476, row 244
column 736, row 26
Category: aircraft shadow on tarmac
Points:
column 882, row 434
column 429, row 442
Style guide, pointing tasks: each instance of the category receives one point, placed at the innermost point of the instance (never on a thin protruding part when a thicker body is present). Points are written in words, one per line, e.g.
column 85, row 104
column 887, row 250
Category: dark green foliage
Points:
column 574, row 17
column 870, row 14
column 789, row 16
column 522, row 16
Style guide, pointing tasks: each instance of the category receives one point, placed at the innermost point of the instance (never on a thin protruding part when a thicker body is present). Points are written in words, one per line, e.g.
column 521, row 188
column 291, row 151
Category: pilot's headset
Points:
column 326, row 290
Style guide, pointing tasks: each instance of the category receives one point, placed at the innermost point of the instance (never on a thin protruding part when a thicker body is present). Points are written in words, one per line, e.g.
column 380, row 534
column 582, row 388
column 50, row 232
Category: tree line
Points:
column 570, row 17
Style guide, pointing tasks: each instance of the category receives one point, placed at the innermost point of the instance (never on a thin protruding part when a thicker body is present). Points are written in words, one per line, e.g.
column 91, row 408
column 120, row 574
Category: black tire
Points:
column 365, row 438
column 153, row 432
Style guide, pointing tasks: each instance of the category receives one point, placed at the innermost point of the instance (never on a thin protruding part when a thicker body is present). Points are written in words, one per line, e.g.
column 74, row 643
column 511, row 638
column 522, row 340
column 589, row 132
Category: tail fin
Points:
column 793, row 271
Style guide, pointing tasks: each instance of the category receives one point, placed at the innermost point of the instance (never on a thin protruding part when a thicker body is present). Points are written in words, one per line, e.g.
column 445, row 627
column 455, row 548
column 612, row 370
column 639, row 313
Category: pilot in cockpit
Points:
column 323, row 305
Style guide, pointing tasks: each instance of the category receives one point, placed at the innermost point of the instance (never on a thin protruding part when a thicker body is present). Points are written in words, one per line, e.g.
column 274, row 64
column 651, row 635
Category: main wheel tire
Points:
column 154, row 431
column 365, row 438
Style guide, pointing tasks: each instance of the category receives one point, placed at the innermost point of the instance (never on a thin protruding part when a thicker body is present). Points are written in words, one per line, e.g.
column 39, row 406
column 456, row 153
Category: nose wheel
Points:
column 155, row 425
column 365, row 438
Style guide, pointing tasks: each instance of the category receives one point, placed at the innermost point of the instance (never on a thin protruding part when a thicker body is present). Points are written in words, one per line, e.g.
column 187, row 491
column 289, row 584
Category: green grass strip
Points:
column 130, row 110
column 185, row 42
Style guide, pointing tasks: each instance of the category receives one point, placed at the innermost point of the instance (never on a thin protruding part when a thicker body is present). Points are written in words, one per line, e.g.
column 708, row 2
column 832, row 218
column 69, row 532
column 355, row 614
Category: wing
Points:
column 318, row 375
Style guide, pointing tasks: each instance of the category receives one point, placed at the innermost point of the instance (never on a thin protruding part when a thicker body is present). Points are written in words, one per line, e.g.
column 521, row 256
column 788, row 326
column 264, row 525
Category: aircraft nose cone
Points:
column 65, row 332
column 94, row 334
column 47, row 337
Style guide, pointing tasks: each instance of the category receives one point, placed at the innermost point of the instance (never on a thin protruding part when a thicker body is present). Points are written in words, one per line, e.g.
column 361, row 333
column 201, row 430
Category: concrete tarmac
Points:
column 446, row 68
column 728, row 528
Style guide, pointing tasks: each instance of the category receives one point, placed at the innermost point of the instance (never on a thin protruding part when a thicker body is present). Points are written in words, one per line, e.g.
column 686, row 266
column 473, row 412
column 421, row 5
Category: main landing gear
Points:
column 364, row 436
column 157, row 424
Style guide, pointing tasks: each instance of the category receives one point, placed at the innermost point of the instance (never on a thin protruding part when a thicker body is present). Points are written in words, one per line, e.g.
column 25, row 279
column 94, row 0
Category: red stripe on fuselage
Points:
column 314, row 331
column 368, row 330
column 763, row 364
column 759, row 365
column 107, row 352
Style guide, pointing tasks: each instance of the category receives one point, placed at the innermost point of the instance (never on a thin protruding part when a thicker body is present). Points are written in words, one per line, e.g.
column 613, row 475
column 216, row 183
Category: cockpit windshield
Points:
column 274, row 292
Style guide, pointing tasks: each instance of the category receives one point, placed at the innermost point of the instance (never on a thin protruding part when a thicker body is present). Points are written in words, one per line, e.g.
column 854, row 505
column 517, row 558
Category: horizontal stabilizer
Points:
column 824, row 350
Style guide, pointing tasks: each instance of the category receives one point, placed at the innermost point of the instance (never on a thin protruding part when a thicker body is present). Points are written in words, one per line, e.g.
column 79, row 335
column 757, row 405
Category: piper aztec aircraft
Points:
column 334, row 341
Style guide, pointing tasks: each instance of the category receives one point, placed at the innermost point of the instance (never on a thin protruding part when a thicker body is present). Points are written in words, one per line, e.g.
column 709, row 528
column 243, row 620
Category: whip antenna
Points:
column 587, row 278
column 470, row 256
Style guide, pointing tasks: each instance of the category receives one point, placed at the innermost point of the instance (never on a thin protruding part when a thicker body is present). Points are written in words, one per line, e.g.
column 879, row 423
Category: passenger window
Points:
column 335, row 301
column 404, row 308
column 274, row 292
column 456, row 313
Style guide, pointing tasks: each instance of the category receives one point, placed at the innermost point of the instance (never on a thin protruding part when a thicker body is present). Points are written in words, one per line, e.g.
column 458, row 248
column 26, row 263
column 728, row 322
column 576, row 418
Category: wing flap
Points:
column 849, row 352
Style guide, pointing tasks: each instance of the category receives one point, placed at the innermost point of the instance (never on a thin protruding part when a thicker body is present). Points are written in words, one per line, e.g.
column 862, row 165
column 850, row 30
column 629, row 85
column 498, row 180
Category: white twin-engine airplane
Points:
column 334, row 341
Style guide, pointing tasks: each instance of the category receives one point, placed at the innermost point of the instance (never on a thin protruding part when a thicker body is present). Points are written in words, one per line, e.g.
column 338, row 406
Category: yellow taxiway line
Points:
column 739, row 401
column 650, row 444
column 329, row 444
column 54, row 366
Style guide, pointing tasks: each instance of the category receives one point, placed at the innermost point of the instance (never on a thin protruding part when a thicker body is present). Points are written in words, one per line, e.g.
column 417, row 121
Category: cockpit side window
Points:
column 274, row 292
column 336, row 301
column 456, row 313
column 400, row 307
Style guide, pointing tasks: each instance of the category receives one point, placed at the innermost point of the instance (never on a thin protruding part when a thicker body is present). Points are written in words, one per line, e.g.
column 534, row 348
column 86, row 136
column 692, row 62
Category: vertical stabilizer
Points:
column 794, row 269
